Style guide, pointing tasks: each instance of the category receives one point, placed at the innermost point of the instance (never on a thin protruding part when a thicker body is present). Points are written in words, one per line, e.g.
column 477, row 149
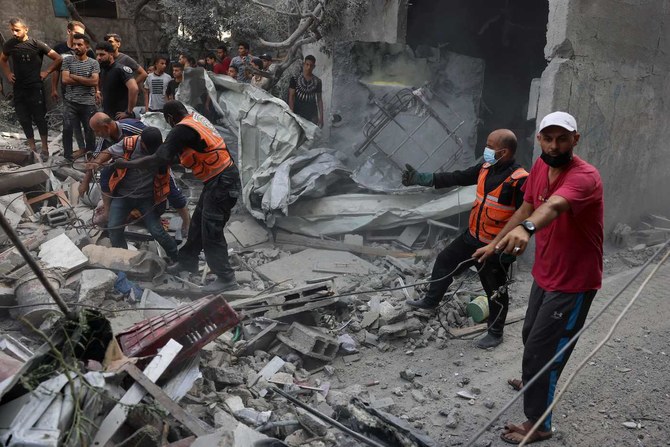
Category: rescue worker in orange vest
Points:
column 499, row 180
column 139, row 189
column 195, row 144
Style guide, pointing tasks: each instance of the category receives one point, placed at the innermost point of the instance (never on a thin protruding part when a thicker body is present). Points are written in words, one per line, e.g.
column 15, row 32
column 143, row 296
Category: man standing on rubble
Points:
column 199, row 147
column 499, row 180
column 138, row 71
column 29, row 101
column 304, row 93
column 119, row 88
column 80, row 78
column 563, row 208
column 140, row 189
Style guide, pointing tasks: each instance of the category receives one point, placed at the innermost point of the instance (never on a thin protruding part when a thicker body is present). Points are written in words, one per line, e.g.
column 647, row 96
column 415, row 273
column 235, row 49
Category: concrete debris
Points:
column 60, row 252
column 303, row 263
column 96, row 284
column 310, row 341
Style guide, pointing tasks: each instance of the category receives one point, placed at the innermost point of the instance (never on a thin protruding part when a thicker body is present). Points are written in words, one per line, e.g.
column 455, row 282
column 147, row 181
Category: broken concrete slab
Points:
column 248, row 232
column 412, row 324
column 154, row 304
column 60, row 252
column 137, row 264
column 24, row 178
column 95, row 284
column 19, row 157
column 304, row 261
column 410, row 234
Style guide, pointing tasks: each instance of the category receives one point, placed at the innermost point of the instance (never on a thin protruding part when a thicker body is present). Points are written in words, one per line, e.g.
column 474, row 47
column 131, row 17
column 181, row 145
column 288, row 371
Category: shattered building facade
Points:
column 602, row 61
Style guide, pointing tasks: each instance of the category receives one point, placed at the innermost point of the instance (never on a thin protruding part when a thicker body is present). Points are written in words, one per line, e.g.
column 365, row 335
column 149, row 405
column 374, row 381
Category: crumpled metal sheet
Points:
column 285, row 181
column 350, row 213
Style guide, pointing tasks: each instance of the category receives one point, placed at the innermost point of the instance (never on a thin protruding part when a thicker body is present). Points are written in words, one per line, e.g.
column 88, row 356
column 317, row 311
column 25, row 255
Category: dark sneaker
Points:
column 423, row 303
column 489, row 341
column 177, row 267
column 220, row 285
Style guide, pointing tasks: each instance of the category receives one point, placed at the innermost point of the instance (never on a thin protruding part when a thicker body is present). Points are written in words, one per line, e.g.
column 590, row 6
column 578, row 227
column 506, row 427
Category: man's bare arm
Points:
column 82, row 80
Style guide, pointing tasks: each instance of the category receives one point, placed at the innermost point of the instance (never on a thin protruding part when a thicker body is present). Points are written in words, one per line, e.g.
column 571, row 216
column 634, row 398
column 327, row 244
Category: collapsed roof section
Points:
column 290, row 183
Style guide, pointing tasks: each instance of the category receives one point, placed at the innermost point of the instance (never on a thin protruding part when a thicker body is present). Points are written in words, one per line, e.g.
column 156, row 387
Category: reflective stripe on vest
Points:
column 215, row 157
column 488, row 215
column 161, row 181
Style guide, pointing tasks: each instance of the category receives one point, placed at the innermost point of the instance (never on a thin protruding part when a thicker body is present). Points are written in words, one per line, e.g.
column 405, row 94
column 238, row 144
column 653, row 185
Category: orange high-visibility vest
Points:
column 490, row 214
column 161, row 181
column 213, row 160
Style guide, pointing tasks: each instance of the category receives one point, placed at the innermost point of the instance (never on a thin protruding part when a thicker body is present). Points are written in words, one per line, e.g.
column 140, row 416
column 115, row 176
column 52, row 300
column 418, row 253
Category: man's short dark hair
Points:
column 266, row 57
column 191, row 61
column 210, row 56
column 222, row 47
column 80, row 36
column 309, row 57
column 160, row 58
column 244, row 44
column 114, row 35
column 16, row 20
column 234, row 68
column 105, row 46
column 175, row 109
column 152, row 138
column 178, row 65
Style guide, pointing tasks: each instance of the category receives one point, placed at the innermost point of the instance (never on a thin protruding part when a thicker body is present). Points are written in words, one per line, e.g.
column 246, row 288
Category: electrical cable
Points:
column 567, row 346
column 598, row 347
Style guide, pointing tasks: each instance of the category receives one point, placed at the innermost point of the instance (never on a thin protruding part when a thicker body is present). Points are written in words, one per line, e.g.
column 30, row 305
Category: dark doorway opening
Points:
column 510, row 36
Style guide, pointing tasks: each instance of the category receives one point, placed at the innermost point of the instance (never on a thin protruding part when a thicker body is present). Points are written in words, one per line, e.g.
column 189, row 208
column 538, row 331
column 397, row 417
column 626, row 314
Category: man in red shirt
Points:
column 224, row 60
column 563, row 207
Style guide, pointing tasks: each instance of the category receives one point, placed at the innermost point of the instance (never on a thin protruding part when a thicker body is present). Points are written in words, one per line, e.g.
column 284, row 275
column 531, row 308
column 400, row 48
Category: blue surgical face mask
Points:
column 490, row 156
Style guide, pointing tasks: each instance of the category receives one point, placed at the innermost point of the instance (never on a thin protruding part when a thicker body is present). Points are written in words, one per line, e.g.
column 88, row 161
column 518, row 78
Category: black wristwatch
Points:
column 528, row 226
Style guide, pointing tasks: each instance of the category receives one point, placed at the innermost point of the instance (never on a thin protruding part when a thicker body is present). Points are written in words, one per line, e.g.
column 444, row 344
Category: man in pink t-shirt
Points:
column 563, row 208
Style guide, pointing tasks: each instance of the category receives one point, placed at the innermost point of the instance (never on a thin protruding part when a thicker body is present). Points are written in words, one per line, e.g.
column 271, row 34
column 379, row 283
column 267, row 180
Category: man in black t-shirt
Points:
column 119, row 89
column 304, row 93
column 138, row 71
column 27, row 77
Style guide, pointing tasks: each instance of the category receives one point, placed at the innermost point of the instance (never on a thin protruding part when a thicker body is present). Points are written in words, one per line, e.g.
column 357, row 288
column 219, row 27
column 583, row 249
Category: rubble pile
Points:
column 155, row 362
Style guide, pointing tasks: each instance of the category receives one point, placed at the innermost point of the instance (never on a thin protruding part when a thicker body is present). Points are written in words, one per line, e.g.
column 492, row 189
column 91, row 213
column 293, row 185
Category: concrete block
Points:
column 95, row 284
column 244, row 277
column 310, row 341
column 60, row 252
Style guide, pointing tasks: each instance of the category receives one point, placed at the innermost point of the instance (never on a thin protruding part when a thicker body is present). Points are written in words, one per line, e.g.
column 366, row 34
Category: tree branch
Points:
column 275, row 9
column 313, row 19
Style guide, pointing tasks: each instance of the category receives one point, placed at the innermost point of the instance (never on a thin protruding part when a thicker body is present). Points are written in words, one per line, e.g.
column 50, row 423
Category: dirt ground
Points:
column 627, row 381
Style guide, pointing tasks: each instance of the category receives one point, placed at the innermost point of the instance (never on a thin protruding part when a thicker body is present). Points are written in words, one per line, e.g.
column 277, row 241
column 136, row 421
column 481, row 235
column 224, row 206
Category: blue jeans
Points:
column 118, row 213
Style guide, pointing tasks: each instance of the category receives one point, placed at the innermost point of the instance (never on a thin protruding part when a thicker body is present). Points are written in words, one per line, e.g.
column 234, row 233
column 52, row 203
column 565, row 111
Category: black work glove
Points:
column 411, row 176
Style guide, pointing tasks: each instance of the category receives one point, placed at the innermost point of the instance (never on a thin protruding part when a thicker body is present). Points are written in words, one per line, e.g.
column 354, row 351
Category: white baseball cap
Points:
column 560, row 119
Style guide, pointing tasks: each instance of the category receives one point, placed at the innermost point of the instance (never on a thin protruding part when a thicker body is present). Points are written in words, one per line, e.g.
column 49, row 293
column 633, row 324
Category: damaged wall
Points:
column 609, row 67
column 44, row 25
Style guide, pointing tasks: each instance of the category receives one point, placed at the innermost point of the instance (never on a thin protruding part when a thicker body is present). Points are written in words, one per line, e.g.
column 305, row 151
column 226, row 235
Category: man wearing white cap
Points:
column 563, row 208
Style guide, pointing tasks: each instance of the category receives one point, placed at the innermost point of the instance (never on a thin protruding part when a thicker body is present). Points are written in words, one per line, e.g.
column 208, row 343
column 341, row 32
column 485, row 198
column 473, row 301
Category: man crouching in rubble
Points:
column 140, row 189
column 563, row 207
column 195, row 143
column 499, row 180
